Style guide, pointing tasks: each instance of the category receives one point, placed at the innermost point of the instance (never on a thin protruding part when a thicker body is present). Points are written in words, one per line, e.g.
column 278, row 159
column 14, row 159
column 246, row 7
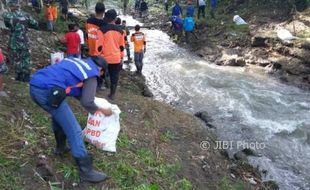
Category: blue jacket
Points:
column 176, row 10
column 177, row 23
column 65, row 74
column 190, row 10
column 213, row 3
column 188, row 24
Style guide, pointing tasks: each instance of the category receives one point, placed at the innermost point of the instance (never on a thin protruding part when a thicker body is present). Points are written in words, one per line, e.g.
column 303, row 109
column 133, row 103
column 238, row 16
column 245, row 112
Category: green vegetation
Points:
column 226, row 184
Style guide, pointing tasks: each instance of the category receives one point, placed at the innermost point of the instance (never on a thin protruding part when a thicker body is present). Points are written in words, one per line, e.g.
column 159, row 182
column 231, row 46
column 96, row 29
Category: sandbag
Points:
column 56, row 57
column 102, row 131
column 238, row 20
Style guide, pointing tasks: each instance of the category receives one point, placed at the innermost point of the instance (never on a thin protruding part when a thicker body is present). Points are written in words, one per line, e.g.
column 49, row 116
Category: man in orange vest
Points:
column 94, row 38
column 51, row 16
column 113, row 47
column 138, row 38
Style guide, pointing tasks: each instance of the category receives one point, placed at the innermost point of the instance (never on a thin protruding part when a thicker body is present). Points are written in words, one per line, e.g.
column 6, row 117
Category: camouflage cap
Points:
column 13, row 3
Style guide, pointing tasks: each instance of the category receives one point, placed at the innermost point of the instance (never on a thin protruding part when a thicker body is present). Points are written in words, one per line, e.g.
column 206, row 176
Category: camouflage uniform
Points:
column 19, row 54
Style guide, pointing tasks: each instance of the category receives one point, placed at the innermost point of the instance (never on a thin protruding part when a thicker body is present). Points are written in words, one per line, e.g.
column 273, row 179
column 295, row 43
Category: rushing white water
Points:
column 245, row 104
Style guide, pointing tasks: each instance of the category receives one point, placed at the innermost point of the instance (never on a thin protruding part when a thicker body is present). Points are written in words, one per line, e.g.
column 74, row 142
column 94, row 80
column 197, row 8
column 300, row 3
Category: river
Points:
column 248, row 107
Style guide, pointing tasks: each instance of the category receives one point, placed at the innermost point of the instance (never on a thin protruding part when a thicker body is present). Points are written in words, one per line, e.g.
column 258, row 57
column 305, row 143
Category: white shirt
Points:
column 201, row 2
column 81, row 34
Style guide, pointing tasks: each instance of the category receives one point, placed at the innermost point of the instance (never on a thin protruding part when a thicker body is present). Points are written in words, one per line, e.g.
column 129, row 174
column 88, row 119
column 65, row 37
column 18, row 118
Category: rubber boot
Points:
column 26, row 77
column 112, row 91
column 87, row 173
column 61, row 147
column 19, row 77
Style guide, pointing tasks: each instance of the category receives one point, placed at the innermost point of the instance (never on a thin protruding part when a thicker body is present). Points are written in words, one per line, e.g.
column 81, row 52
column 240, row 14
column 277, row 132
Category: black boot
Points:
column 87, row 173
column 19, row 77
column 112, row 91
column 61, row 147
column 26, row 77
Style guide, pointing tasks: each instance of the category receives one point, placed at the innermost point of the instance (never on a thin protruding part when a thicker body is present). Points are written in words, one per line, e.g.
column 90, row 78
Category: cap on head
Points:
column 110, row 15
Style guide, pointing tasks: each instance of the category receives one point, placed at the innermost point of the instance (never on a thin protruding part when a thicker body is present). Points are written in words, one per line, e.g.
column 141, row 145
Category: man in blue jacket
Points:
column 176, row 10
column 190, row 10
column 49, row 88
column 213, row 4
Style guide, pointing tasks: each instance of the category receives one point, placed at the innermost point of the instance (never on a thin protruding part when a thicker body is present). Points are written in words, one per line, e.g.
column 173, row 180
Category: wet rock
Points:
column 240, row 156
column 146, row 92
column 258, row 41
column 206, row 118
column 273, row 67
column 224, row 153
column 239, row 62
column 251, row 181
column 250, row 152
column 305, row 45
column 271, row 185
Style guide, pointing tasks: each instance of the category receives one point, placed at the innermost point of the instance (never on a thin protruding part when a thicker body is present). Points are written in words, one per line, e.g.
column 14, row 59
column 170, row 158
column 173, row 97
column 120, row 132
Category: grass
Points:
column 69, row 172
column 9, row 176
column 226, row 184
column 166, row 136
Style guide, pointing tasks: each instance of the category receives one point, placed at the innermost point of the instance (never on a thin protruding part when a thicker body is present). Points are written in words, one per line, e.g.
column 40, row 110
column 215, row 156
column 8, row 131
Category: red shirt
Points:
column 1, row 56
column 72, row 40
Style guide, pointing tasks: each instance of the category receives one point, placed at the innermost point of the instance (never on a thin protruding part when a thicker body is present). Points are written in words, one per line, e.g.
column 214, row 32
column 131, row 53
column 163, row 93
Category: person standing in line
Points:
column 64, row 6
column 201, row 8
column 49, row 88
column 94, row 38
column 118, row 22
column 81, row 35
column 72, row 41
column 51, row 16
column 213, row 4
column 127, row 46
column 166, row 5
column 188, row 26
column 138, row 38
column 113, row 47
column 3, row 70
column 177, row 10
column 19, row 52
column 190, row 10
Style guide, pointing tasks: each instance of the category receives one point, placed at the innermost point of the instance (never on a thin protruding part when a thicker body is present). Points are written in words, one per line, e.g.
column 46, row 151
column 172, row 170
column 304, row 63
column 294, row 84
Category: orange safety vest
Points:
column 49, row 13
column 138, row 39
column 94, row 39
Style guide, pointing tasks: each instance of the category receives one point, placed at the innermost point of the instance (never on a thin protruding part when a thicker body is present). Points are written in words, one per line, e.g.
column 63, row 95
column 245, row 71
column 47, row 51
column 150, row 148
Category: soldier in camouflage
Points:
column 19, row 53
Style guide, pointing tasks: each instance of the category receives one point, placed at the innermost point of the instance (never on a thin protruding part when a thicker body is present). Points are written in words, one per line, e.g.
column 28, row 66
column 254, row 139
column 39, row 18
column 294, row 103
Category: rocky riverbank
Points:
column 222, row 42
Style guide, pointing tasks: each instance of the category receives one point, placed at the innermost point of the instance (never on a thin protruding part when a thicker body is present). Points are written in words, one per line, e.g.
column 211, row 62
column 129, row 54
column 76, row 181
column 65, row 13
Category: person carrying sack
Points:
column 49, row 88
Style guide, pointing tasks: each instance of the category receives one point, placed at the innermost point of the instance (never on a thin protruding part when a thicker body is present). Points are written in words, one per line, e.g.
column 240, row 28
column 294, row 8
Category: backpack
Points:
column 189, row 24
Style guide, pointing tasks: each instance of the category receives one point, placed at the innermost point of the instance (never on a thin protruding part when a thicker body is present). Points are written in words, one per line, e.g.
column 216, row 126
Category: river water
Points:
column 249, row 108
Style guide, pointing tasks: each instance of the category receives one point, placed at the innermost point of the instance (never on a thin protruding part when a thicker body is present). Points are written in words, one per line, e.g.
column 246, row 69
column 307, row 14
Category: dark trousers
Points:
column 202, row 10
column 114, row 70
column 139, row 61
